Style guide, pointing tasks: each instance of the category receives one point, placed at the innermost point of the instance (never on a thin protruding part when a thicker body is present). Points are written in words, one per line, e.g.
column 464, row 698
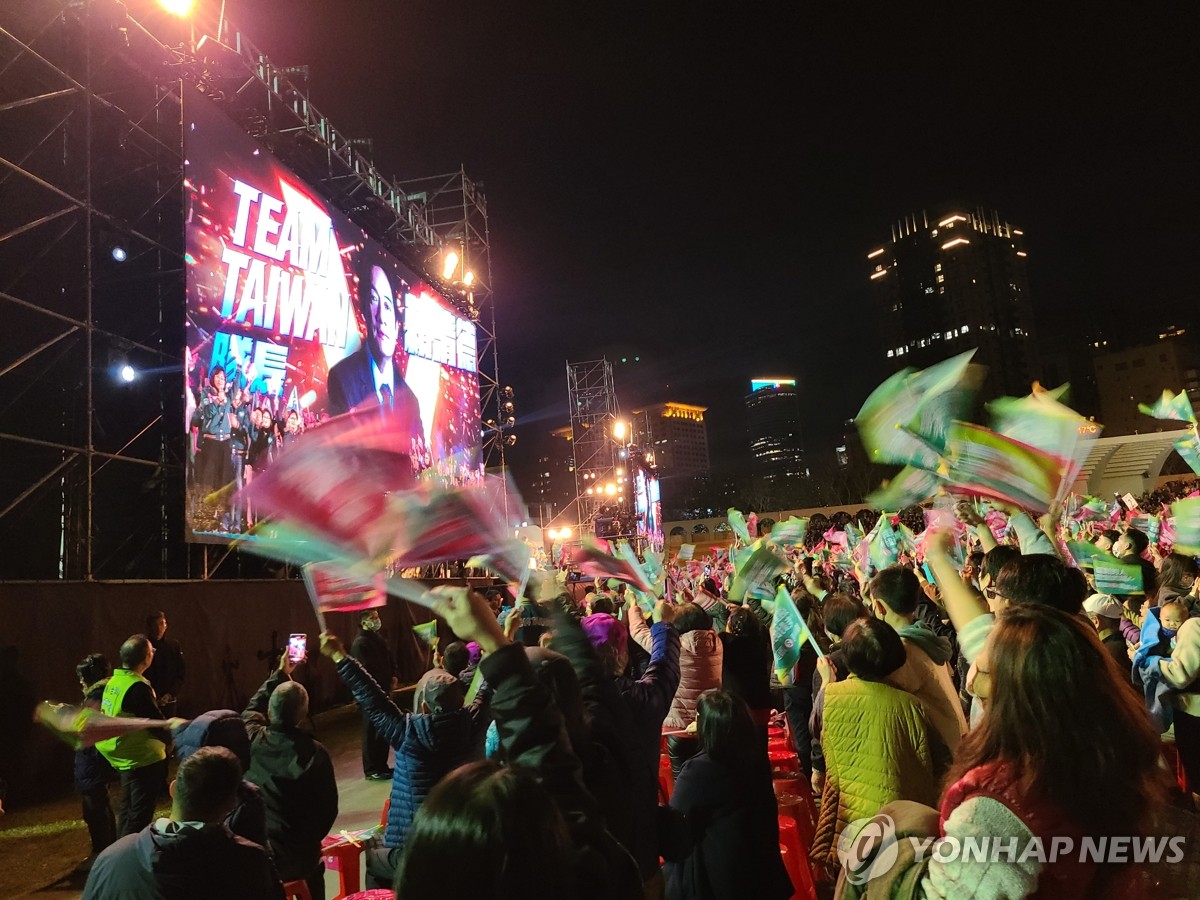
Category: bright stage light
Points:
column 128, row 374
column 119, row 254
column 610, row 489
column 469, row 279
column 619, row 429
column 449, row 264
column 564, row 533
column 178, row 7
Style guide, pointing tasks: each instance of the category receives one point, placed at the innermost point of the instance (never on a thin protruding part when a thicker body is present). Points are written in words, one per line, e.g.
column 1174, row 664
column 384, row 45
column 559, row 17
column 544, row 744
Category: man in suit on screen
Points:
column 370, row 375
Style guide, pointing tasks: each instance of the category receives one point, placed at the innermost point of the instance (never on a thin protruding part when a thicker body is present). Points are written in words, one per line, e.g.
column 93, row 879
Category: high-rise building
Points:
column 677, row 436
column 950, row 283
column 552, row 486
column 1125, row 378
column 773, row 423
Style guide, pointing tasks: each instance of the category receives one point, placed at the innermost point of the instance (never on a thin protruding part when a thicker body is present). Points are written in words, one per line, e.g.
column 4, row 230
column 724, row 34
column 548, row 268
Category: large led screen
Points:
column 295, row 316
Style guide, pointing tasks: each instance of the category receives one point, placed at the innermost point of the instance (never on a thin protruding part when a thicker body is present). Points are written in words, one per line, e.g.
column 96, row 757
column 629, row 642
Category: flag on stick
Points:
column 332, row 589
column 788, row 634
column 595, row 562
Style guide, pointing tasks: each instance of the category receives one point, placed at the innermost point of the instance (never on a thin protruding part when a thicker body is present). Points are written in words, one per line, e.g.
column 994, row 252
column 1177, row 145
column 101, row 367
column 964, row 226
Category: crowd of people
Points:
column 983, row 688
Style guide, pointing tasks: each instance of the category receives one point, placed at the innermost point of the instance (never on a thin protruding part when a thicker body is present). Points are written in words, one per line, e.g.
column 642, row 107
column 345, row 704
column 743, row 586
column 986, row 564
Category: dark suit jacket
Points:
column 351, row 382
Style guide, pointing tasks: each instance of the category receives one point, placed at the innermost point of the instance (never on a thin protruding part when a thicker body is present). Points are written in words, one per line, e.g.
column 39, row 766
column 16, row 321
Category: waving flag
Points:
column 789, row 533
column 738, row 523
column 988, row 464
column 909, row 487
column 592, row 560
column 82, row 726
column 1186, row 519
column 755, row 575
column 427, row 632
column 332, row 589
column 884, row 543
column 788, row 634
column 906, row 419
column 1188, row 448
column 1040, row 421
column 1175, row 407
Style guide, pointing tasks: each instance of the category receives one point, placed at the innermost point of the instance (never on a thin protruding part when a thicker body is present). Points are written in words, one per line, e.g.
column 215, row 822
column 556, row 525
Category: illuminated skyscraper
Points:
column 949, row 283
column 677, row 436
column 773, row 420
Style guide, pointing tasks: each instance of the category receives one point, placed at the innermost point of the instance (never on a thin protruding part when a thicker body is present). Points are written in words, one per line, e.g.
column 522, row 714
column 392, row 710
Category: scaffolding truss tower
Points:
column 594, row 411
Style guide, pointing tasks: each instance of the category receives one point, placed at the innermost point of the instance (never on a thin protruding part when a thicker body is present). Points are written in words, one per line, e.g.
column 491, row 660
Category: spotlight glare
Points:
column 618, row 430
column 128, row 373
column 469, row 279
column 119, row 254
column 178, row 7
column 449, row 264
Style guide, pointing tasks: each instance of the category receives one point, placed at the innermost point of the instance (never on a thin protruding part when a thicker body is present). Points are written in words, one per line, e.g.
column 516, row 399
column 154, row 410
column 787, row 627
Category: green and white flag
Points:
column 789, row 533
column 738, row 523
column 788, row 634
column 755, row 574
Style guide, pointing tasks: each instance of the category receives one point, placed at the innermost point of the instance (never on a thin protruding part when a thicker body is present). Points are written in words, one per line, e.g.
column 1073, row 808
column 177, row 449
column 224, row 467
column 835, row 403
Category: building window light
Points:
column 937, row 267
column 941, row 278
column 1022, row 253
column 949, row 223
column 950, row 335
column 929, row 290
column 874, row 253
column 933, row 233
column 954, row 243
column 878, row 274
column 891, row 353
column 966, row 328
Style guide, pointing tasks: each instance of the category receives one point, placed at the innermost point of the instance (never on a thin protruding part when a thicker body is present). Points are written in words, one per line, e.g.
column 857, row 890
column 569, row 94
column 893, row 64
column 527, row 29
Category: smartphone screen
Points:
column 298, row 648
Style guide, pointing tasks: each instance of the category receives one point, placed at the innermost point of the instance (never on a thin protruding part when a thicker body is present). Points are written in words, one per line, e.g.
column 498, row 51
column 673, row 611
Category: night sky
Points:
column 698, row 184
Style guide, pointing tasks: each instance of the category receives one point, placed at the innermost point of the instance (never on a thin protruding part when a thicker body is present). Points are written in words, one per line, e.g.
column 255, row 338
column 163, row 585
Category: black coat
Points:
column 746, row 667
column 295, row 778
column 167, row 670
column 370, row 649
column 725, row 834
column 532, row 735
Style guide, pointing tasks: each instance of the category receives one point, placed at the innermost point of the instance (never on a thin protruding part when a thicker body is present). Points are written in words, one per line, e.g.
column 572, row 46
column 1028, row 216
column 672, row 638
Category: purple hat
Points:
column 474, row 653
column 603, row 630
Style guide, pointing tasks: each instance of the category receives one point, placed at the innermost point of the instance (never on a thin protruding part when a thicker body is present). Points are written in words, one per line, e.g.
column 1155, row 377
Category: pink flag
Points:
column 595, row 562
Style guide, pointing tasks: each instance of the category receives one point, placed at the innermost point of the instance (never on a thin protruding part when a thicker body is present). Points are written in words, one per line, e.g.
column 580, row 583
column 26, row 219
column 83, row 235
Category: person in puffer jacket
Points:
column 879, row 745
column 225, row 728
column 925, row 673
column 438, row 737
column 700, row 660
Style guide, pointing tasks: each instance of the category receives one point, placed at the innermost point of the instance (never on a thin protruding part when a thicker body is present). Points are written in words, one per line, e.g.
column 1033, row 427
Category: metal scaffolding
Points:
column 92, row 271
column 456, row 209
column 594, row 410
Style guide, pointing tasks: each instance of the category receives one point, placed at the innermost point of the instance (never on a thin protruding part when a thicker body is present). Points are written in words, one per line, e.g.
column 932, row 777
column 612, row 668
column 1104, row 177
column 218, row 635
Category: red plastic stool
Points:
column 372, row 894
column 342, row 857
column 774, row 731
column 783, row 761
column 795, row 859
column 797, row 808
column 298, row 889
column 780, row 743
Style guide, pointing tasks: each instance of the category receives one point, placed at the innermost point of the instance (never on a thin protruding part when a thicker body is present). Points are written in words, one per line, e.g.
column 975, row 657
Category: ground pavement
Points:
column 41, row 845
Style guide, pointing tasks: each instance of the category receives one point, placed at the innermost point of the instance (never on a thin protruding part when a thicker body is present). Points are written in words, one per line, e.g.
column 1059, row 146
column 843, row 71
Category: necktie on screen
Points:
column 386, row 391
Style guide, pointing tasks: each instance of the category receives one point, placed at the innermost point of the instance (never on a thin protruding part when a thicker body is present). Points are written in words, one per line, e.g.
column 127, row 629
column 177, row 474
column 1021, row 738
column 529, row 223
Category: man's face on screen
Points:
column 382, row 316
